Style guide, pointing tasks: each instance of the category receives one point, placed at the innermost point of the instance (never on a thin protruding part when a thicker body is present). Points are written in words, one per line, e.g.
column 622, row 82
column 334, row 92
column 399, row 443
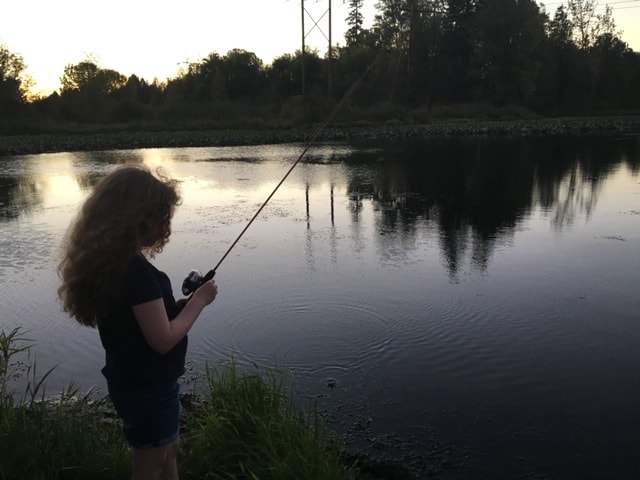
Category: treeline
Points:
column 424, row 58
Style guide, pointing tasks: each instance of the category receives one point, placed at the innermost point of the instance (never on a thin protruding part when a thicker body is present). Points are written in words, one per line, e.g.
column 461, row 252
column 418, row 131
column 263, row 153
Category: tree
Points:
column 508, row 60
column 616, row 72
column 391, row 23
column 562, row 87
column 459, row 38
column 284, row 75
column 244, row 75
column 13, row 82
column 355, row 19
column 411, row 32
column 136, row 99
column 560, row 29
column 194, row 92
column 589, row 25
column 78, row 77
column 87, row 92
column 209, row 78
column 88, row 76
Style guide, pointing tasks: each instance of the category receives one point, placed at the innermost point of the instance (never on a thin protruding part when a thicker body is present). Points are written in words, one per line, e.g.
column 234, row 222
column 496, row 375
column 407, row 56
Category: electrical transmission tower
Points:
column 305, row 33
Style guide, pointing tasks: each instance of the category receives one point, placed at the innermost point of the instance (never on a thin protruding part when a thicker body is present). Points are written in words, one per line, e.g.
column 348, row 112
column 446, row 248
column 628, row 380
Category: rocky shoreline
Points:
column 36, row 143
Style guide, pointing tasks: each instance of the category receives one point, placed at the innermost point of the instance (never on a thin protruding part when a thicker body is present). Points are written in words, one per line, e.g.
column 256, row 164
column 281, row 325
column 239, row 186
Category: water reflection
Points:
column 478, row 190
column 18, row 196
column 472, row 192
column 24, row 181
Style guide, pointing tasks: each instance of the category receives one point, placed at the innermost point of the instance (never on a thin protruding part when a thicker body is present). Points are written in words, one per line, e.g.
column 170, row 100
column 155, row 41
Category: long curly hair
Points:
column 128, row 212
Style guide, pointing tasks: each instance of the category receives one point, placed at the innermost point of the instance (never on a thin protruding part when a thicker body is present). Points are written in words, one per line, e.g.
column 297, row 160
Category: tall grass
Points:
column 52, row 438
column 242, row 427
column 248, row 428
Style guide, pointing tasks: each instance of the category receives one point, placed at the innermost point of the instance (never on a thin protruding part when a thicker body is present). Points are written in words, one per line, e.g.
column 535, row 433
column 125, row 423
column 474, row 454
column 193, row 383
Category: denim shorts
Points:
column 150, row 414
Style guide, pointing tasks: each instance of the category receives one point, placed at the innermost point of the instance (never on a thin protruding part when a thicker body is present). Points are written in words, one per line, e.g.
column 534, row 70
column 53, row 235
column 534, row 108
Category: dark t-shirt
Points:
column 129, row 358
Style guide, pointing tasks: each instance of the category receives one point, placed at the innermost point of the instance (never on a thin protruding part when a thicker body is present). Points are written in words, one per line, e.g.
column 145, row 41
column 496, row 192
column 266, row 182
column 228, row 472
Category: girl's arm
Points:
column 160, row 333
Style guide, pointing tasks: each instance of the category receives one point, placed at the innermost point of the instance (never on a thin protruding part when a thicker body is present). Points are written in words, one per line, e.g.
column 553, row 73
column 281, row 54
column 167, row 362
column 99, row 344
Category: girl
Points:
column 108, row 283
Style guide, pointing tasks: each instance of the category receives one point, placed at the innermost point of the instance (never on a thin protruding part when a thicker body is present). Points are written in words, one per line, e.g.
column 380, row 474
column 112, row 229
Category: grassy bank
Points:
column 96, row 138
column 242, row 427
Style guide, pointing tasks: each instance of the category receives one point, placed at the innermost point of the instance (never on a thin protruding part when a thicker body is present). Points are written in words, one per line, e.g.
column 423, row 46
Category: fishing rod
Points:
column 194, row 278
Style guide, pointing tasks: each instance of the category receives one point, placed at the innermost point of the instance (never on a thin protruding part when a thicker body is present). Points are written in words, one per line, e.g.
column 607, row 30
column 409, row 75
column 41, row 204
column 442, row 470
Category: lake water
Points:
column 475, row 300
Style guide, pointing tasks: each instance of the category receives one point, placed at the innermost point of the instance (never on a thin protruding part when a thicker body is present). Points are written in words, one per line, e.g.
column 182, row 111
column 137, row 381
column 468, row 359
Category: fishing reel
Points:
column 194, row 280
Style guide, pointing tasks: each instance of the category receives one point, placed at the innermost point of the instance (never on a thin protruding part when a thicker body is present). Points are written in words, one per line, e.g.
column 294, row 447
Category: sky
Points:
column 154, row 39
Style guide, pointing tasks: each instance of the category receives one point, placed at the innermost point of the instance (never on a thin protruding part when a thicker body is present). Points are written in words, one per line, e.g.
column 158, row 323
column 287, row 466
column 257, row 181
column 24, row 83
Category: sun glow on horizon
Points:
column 153, row 41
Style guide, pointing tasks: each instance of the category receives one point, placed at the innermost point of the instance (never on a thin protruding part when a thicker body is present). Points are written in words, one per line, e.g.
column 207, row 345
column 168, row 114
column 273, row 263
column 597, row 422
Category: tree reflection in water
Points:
column 476, row 191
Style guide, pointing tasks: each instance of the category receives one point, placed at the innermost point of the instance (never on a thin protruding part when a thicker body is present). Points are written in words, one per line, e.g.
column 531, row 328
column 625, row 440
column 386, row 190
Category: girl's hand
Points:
column 207, row 292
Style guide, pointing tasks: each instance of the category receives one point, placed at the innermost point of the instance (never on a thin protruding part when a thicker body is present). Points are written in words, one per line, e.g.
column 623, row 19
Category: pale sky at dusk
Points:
column 152, row 39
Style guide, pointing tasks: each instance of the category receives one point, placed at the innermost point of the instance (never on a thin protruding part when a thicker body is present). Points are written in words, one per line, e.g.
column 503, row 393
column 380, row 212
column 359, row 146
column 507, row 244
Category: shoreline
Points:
column 101, row 140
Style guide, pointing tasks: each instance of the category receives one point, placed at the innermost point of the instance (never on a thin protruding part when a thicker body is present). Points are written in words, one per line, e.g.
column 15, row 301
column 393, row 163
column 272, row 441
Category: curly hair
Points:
column 128, row 212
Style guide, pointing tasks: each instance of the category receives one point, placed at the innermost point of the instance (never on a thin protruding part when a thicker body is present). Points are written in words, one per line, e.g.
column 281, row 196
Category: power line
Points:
column 598, row 6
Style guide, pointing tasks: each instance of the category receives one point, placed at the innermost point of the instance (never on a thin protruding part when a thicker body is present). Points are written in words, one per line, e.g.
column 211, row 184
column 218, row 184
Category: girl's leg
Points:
column 158, row 463
column 170, row 467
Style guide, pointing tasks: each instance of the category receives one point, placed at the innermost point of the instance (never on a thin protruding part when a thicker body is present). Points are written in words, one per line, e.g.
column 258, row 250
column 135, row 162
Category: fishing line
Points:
column 194, row 278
